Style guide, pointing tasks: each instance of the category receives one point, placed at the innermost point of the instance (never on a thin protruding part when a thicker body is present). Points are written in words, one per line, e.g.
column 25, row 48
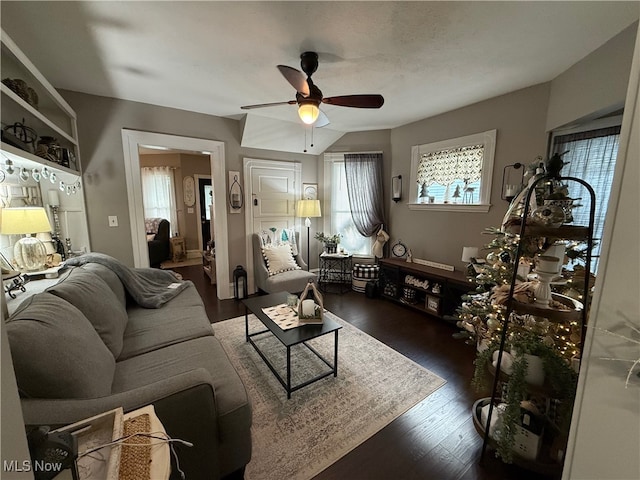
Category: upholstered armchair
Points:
column 158, row 240
column 292, row 281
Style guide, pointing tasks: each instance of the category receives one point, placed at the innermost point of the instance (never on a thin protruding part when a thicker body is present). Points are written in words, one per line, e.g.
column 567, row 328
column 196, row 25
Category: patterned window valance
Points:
column 444, row 167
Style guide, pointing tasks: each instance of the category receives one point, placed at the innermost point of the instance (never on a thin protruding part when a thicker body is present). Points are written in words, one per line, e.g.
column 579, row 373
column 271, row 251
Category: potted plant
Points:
column 330, row 241
column 560, row 383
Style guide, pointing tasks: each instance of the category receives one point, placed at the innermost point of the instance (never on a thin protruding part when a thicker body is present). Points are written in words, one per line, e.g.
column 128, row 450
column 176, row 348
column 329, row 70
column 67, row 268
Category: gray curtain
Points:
column 363, row 174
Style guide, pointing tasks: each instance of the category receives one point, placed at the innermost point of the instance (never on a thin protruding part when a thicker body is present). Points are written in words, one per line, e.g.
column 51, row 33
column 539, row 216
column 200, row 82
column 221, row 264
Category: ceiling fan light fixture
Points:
column 308, row 112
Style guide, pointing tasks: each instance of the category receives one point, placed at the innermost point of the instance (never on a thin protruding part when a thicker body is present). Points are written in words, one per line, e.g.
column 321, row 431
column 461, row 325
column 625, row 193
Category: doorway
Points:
column 205, row 211
column 131, row 141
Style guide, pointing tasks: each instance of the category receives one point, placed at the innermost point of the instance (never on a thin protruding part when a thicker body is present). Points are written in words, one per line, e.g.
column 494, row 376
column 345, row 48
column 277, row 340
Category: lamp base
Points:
column 30, row 254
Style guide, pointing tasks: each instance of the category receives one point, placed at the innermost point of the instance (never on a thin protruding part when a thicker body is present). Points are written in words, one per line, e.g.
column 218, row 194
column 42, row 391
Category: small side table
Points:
column 178, row 249
column 335, row 268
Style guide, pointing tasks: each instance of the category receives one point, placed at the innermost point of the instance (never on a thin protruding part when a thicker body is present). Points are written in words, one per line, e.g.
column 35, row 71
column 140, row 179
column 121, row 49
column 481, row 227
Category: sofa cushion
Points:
column 182, row 318
column 279, row 258
column 56, row 351
column 93, row 297
column 111, row 279
column 232, row 403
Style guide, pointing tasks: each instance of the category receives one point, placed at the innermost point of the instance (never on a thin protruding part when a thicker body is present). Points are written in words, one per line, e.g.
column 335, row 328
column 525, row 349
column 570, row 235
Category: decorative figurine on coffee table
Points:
column 310, row 309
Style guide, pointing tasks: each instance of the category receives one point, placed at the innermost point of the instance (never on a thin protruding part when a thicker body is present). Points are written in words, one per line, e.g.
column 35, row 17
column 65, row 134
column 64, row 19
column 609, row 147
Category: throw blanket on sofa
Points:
column 149, row 287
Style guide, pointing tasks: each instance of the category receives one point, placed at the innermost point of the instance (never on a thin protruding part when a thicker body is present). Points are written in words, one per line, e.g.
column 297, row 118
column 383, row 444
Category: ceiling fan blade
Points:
column 322, row 120
column 261, row 105
column 296, row 78
column 356, row 101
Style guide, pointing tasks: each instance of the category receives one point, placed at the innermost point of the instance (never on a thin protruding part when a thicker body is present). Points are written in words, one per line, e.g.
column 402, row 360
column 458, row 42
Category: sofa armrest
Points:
column 57, row 412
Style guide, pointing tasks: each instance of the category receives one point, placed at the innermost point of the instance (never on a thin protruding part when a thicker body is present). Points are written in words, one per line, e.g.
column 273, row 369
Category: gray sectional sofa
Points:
column 84, row 346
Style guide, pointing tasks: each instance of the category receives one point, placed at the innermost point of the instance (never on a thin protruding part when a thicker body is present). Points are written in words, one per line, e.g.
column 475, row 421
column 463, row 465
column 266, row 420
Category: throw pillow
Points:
column 279, row 259
column 56, row 352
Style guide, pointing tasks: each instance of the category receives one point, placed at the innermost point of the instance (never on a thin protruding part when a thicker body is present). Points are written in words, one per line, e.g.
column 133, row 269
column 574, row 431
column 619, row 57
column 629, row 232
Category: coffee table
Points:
column 290, row 338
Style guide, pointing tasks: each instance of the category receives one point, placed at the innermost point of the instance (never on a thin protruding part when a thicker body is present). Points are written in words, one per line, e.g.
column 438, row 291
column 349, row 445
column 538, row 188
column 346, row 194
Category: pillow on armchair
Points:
column 279, row 258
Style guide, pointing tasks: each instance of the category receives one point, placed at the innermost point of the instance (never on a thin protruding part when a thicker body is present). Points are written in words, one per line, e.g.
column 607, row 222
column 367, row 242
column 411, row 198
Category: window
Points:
column 338, row 219
column 591, row 156
column 158, row 195
column 453, row 174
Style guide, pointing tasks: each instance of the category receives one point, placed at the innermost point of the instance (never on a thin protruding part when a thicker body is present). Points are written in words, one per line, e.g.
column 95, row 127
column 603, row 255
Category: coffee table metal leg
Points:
column 335, row 355
column 288, row 372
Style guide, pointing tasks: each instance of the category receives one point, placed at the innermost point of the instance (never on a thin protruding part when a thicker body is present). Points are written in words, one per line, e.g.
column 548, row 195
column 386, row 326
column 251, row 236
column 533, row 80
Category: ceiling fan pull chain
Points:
column 305, row 140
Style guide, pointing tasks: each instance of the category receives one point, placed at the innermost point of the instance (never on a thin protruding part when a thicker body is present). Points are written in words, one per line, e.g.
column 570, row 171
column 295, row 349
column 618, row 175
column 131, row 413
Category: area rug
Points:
column 300, row 437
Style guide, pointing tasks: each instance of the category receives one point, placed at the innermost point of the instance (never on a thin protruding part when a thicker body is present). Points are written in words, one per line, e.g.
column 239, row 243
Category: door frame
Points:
column 131, row 141
column 248, row 165
column 197, row 178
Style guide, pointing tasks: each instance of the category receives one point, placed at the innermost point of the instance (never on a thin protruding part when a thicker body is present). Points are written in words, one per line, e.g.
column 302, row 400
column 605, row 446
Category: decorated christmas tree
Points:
column 482, row 313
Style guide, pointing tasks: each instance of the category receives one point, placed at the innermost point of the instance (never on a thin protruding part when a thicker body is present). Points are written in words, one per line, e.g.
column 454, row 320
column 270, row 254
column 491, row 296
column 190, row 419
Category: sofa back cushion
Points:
column 110, row 278
column 97, row 302
column 56, row 352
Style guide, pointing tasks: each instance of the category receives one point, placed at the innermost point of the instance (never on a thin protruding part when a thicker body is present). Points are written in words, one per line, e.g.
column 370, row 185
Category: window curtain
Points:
column 363, row 175
column 592, row 157
column 158, row 195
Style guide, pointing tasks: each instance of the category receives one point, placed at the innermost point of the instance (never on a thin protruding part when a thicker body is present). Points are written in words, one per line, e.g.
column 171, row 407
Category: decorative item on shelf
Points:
column 399, row 249
column 48, row 148
column 20, row 136
column 236, row 195
column 408, row 295
column 436, row 288
column 239, row 282
column 409, row 256
column 310, row 310
column 396, row 188
column 456, row 194
column 511, row 184
column 29, row 253
column 24, row 91
column 468, row 191
column 548, row 216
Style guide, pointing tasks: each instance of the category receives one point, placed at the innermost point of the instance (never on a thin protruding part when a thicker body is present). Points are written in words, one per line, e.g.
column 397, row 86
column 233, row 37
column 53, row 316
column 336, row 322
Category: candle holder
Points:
column 542, row 290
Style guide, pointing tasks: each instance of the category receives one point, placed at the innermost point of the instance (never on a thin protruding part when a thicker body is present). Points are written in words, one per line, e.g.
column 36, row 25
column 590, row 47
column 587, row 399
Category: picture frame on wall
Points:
column 310, row 191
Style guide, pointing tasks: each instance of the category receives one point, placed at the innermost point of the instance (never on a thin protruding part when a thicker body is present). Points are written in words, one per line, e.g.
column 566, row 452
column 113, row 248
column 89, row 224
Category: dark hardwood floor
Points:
column 436, row 439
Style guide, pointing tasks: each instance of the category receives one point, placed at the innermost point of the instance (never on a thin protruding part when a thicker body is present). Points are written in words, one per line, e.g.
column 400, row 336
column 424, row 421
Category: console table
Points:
column 430, row 290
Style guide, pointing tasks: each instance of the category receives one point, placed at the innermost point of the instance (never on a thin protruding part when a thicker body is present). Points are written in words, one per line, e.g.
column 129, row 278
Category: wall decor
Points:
column 189, row 191
column 236, row 194
column 310, row 191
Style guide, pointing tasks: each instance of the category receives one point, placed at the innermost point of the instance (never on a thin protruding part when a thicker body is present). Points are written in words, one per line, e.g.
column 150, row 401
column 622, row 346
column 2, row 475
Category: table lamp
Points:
column 308, row 209
column 29, row 252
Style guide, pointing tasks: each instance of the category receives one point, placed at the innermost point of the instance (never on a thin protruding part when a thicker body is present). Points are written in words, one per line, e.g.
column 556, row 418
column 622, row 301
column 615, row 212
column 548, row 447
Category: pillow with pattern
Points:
column 279, row 258
column 279, row 236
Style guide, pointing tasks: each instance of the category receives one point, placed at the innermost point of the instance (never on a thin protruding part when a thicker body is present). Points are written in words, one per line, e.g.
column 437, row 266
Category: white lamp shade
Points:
column 308, row 113
column 18, row 221
column 308, row 208
column 468, row 253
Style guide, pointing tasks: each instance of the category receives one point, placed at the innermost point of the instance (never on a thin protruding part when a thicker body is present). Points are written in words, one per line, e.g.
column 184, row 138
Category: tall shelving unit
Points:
column 578, row 311
column 49, row 115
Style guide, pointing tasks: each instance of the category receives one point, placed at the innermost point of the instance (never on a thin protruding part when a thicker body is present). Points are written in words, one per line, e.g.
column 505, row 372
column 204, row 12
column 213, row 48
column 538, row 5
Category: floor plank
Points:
column 435, row 439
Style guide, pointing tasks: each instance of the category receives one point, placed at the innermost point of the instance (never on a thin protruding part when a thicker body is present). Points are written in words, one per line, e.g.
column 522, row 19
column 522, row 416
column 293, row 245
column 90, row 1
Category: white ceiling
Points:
column 425, row 58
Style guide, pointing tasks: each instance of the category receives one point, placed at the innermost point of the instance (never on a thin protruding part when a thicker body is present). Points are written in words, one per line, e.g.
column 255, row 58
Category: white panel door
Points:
column 273, row 197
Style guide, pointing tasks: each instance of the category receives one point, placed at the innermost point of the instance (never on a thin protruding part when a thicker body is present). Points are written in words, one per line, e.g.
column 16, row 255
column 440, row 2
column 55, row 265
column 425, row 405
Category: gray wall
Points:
column 100, row 121
column 519, row 118
column 596, row 85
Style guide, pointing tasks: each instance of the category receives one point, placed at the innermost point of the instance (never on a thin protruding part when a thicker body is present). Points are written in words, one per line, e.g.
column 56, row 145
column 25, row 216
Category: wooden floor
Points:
column 436, row 439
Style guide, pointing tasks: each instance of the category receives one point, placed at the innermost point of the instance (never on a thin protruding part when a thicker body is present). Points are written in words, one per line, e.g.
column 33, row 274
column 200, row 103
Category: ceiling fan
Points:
column 309, row 97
